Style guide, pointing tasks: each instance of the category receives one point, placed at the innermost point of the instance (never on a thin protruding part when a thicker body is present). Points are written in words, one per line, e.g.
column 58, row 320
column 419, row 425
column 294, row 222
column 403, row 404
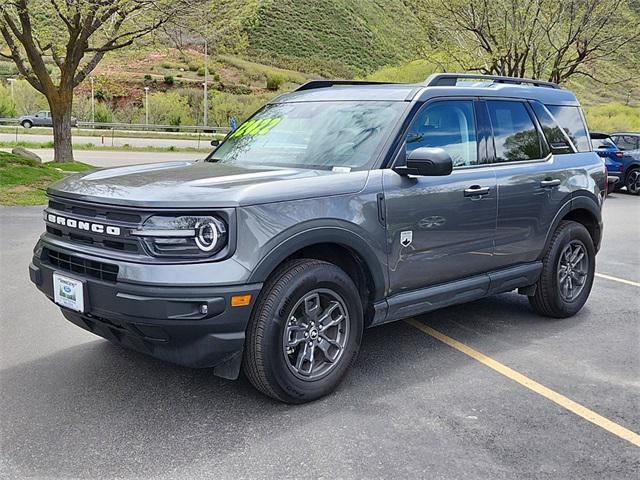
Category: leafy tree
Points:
column 75, row 35
column 549, row 39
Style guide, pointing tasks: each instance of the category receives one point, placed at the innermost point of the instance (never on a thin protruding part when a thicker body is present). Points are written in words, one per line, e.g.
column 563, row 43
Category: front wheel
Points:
column 632, row 181
column 305, row 331
column 567, row 273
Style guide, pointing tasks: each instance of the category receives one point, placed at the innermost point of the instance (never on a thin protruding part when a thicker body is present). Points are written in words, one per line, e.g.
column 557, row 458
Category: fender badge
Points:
column 406, row 238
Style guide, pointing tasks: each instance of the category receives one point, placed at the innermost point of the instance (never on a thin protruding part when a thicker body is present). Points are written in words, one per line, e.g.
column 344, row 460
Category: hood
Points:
column 204, row 185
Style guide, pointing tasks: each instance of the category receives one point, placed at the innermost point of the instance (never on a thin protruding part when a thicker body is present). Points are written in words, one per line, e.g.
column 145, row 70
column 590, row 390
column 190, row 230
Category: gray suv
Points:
column 337, row 207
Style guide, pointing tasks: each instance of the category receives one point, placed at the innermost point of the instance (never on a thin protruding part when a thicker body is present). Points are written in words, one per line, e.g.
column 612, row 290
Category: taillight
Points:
column 619, row 154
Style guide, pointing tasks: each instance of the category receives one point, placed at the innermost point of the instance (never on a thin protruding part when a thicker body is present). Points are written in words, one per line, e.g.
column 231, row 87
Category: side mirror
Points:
column 215, row 142
column 428, row 162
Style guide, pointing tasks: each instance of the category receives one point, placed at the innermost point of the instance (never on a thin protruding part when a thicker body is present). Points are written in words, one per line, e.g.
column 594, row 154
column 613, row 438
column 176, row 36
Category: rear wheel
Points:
column 567, row 273
column 304, row 333
column 632, row 181
column 27, row 124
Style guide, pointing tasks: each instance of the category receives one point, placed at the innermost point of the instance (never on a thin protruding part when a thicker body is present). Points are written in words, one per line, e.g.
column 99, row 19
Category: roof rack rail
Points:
column 449, row 80
column 330, row 83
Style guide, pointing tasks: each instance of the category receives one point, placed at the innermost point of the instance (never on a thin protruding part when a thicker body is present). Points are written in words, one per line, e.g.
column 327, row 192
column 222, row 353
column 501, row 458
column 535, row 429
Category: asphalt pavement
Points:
column 75, row 406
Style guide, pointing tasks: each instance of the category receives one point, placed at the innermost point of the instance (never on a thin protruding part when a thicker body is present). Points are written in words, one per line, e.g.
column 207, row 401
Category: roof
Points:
column 437, row 85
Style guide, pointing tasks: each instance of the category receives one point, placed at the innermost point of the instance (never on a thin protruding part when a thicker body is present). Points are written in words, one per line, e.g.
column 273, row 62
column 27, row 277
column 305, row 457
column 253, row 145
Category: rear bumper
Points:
column 194, row 326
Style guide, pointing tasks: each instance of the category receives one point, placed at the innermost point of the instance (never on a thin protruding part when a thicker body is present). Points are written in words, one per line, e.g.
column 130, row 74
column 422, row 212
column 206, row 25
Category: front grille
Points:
column 89, row 268
column 125, row 220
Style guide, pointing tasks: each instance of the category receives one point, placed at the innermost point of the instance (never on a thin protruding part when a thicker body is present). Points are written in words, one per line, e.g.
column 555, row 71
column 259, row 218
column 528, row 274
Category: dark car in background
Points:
column 605, row 147
column 629, row 144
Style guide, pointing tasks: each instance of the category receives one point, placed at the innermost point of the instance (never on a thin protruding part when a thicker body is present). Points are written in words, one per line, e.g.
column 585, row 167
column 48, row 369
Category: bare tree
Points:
column 75, row 34
column 548, row 39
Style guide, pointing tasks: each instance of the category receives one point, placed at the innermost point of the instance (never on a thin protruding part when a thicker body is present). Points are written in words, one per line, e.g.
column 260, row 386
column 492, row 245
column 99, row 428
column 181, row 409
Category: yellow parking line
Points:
column 532, row 385
column 616, row 279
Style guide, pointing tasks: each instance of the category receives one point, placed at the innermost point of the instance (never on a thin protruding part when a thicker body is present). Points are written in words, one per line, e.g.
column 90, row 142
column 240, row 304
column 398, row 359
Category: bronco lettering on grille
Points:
column 80, row 225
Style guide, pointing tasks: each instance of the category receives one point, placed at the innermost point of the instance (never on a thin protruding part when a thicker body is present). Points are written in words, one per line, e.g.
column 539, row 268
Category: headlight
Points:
column 184, row 236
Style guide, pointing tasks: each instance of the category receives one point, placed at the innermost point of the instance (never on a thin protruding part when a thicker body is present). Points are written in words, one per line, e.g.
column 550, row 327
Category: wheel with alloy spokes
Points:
column 304, row 333
column 633, row 181
column 567, row 272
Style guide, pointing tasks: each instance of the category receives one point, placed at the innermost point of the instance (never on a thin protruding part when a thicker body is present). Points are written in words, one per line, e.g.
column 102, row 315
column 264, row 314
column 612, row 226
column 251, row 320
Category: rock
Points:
column 23, row 152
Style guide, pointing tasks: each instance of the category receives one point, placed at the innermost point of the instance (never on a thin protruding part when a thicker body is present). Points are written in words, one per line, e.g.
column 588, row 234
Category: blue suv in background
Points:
column 629, row 144
column 605, row 147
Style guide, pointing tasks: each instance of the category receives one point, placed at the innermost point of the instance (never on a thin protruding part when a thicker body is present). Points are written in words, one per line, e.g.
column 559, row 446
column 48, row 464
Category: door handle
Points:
column 546, row 183
column 476, row 191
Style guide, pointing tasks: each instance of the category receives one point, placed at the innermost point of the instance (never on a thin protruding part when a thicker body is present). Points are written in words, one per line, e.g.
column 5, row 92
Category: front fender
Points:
column 315, row 233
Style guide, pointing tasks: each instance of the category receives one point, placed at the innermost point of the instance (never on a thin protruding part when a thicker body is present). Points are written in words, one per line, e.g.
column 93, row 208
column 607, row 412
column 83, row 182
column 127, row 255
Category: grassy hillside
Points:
column 330, row 37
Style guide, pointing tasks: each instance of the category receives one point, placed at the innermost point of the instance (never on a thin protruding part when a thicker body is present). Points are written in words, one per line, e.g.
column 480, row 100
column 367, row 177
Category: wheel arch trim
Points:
column 317, row 235
column 580, row 201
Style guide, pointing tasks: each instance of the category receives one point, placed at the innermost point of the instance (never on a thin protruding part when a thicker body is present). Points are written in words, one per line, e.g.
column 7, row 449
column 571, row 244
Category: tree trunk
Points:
column 60, row 105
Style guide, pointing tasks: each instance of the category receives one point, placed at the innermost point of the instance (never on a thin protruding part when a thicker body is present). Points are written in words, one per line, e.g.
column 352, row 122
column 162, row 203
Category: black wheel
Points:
column 567, row 272
column 27, row 124
column 304, row 333
column 632, row 181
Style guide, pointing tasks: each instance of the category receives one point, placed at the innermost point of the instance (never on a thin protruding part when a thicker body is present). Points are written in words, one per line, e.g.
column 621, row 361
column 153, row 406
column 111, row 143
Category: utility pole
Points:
column 206, row 82
column 93, row 103
column 146, row 105
column 13, row 95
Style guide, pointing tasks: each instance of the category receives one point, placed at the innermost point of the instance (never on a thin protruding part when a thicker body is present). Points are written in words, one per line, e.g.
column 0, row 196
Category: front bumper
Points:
column 166, row 322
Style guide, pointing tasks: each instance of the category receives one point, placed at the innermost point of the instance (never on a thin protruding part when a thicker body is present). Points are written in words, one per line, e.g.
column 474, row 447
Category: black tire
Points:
column 549, row 300
column 27, row 124
column 632, row 181
column 267, row 362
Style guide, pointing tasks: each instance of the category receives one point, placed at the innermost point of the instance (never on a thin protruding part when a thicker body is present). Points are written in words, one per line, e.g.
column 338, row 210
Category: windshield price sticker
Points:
column 256, row 127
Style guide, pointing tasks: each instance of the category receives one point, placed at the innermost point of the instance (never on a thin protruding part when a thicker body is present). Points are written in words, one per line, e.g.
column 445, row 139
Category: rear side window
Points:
column 556, row 137
column 626, row 142
column 515, row 135
column 449, row 125
column 571, row 121
column 602, row 143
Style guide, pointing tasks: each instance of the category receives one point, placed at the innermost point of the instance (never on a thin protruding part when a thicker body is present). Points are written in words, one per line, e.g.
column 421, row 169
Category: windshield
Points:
column 319, row 135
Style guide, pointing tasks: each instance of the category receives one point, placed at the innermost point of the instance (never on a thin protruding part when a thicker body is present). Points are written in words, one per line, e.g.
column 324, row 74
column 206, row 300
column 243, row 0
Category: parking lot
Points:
column 75, row 406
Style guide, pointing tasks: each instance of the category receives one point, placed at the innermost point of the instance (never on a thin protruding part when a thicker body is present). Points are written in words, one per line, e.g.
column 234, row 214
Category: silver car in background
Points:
column 41, row 119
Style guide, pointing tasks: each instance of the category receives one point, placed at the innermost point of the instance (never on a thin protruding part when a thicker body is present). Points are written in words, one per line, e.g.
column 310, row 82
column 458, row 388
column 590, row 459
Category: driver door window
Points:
column 449, row 125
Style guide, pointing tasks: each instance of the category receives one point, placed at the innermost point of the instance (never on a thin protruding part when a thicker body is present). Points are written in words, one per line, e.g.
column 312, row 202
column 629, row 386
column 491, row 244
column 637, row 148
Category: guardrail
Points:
column 136, row 127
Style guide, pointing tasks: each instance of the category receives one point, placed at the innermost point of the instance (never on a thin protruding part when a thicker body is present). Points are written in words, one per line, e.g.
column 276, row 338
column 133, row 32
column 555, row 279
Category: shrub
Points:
column 7, row 107
column 274, row 81
column 168, row 80
column 103, row 113
column 169, row 108
column 147, row 78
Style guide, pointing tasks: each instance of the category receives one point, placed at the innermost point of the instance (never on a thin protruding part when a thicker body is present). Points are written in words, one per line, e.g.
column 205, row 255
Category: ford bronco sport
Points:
column 337, row 207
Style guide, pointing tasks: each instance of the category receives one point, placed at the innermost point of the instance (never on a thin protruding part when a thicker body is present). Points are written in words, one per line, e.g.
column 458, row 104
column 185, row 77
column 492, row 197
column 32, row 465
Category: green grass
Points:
column 24, row 181
column 613, row 117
